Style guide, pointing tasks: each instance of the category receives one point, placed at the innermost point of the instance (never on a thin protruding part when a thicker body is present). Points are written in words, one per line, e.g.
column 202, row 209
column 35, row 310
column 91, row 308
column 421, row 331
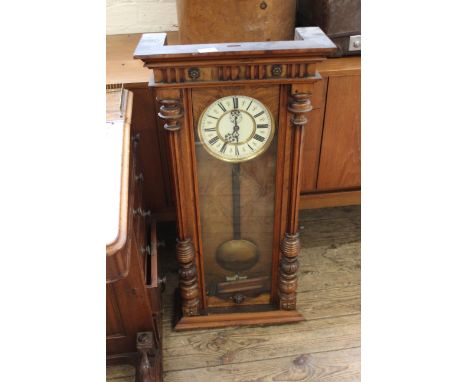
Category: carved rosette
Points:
column 188, row 281
column 289, row 265
column 171, row 111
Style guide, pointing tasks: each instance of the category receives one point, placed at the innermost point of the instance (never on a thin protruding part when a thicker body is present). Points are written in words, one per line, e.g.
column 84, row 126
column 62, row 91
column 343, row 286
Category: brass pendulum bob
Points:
column 236, row 255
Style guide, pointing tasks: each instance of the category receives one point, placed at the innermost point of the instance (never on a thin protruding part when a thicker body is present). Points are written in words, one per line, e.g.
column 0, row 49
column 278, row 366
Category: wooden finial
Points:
column 171, row 111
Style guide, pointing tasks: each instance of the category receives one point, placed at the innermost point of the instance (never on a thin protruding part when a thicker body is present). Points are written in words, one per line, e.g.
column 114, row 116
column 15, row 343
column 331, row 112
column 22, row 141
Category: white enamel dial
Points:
column 236, row 128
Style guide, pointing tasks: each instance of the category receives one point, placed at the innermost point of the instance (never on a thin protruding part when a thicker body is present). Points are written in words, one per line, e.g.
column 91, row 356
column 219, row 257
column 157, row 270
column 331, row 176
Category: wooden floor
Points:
column 324, row 347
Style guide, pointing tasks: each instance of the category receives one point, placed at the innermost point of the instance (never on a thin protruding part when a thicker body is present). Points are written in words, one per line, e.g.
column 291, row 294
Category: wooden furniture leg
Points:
column 146, row 358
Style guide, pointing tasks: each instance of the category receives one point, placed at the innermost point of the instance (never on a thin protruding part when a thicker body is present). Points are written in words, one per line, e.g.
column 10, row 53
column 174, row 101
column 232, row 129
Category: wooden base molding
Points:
column 274, row 317
column 330, row 199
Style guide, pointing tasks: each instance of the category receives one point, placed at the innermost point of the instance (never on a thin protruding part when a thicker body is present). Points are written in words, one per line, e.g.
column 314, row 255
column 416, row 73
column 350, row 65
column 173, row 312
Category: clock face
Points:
column 236, row 128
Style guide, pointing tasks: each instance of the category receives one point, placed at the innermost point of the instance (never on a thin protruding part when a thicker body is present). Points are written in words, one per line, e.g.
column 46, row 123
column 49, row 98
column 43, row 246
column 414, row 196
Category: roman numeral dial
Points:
column 236, row 128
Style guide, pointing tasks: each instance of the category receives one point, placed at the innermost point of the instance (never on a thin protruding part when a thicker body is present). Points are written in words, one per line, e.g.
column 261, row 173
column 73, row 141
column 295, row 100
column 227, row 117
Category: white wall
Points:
column 138, row 16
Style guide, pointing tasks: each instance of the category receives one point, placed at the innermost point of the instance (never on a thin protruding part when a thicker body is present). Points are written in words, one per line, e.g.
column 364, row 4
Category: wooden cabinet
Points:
column 332, row 149
column 133, row 297
column 332, row 152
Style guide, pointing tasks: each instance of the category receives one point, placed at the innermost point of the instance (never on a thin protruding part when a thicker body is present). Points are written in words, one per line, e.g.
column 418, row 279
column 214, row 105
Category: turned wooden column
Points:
column 299, row 105
column 172, row 113
column 188, row 281
column 290, row 247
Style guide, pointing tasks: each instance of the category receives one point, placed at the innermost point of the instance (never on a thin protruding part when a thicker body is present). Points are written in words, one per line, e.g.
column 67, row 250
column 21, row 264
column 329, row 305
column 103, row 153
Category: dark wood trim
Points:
column 282, row 187
column 298, row 106
column 187, row 94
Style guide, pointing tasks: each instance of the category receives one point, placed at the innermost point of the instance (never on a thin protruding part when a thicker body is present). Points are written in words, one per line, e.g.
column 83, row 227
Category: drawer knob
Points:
column 139, row 177
column 162, row 284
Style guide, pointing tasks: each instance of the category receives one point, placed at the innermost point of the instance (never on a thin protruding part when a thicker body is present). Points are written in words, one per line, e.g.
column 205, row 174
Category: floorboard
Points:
column 334, row 366
column 324, row 347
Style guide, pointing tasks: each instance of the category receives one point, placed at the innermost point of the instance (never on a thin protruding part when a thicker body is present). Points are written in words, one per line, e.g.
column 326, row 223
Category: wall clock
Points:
column 235, row 116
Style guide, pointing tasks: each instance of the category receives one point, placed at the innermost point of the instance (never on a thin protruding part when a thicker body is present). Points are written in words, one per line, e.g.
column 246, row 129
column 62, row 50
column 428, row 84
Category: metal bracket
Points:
column 354, row 43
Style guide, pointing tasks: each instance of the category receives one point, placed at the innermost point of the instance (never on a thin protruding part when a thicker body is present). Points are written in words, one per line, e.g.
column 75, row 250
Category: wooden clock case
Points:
column 184, row 76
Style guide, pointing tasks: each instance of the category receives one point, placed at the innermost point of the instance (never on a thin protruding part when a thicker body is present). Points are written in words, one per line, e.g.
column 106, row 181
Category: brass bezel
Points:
column 255, row 154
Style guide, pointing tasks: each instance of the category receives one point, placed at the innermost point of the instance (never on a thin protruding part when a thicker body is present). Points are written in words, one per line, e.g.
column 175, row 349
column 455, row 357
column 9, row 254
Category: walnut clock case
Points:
column 235, row 115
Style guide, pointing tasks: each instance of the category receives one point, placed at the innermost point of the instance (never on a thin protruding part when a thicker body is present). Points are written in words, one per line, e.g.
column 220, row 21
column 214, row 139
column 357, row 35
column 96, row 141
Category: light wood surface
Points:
column 118, row 184
column 324, row 347
column 121, row 68
column 117, row 161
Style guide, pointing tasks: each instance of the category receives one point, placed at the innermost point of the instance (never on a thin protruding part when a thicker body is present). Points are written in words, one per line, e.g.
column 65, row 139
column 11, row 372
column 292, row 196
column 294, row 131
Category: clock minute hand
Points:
column 235, row 131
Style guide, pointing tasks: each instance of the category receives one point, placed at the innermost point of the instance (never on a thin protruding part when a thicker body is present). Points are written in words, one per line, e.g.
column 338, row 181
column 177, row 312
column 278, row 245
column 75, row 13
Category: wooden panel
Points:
column 340, row 158
column 114, row 323
column 152, row 152
column 313, row 137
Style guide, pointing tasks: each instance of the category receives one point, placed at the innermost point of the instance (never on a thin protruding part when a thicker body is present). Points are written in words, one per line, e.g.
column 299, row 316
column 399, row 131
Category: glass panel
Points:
column 237, row 214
